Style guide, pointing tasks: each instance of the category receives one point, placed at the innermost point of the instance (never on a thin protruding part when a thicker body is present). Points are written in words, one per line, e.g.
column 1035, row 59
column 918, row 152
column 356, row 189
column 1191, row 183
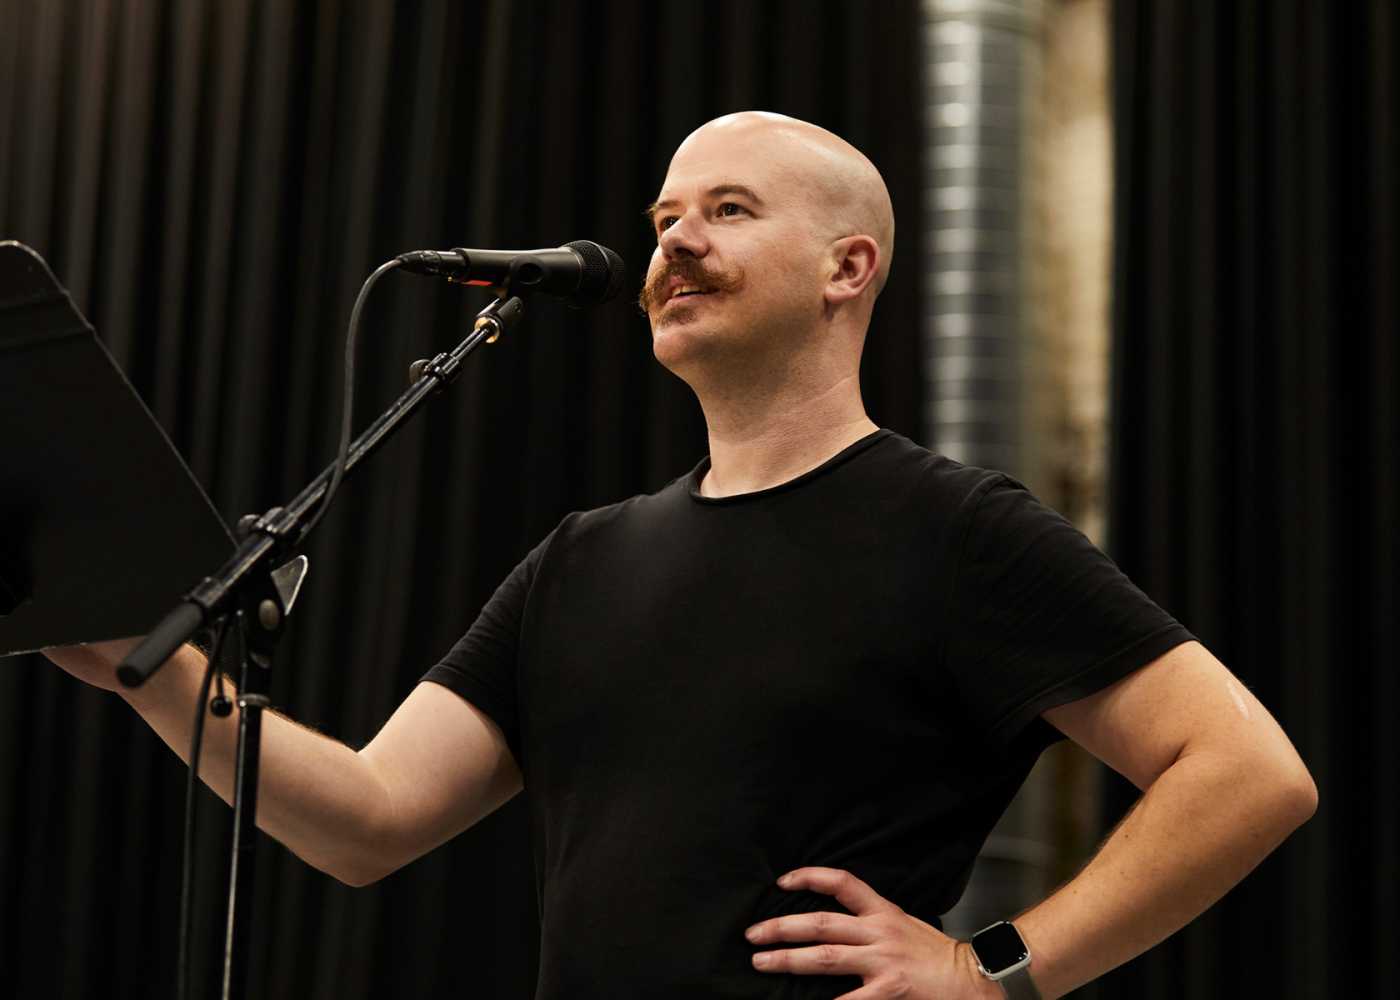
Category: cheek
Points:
column 799, row 284
column 655, row 263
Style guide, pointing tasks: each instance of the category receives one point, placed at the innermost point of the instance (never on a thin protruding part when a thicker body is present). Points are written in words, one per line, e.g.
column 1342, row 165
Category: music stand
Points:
column 92, row 492
column 102, row 525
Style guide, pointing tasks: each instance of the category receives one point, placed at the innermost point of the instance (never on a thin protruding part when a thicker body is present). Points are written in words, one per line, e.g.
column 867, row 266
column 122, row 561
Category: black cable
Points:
column 182, row 974
column 221, row 706
column 347, row 398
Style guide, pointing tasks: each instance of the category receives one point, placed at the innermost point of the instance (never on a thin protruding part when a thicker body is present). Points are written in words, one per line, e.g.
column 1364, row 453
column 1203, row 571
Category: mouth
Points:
column 687, row 281
column 686, row 292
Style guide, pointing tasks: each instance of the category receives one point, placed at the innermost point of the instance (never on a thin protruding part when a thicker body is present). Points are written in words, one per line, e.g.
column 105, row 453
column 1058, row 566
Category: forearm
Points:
column 1203, row 825
column 315, row 795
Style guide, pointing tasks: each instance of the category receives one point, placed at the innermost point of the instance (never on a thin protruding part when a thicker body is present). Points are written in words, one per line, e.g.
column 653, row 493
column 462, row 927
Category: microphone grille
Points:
column 603, row 273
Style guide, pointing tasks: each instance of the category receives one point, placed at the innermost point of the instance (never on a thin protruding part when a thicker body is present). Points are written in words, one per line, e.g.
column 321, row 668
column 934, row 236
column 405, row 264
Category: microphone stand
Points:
column 258, row 597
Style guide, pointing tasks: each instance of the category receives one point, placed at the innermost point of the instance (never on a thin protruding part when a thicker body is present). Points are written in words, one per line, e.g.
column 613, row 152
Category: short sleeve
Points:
column 1039, row 617
column 481, row 666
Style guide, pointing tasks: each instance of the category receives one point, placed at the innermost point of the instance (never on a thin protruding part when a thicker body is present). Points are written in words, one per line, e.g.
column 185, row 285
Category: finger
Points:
column 837, row 928
column 849, row 891
column 820, row 960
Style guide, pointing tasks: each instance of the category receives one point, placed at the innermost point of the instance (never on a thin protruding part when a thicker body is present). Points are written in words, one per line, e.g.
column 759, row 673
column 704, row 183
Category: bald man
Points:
column 785, row 233
column 769, row 713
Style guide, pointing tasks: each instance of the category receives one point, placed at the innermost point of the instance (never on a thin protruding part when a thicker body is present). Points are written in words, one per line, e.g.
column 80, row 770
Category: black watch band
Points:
column 1019, row 985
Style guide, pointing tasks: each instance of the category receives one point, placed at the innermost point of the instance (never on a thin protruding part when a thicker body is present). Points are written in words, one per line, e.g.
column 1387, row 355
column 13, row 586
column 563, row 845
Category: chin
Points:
column 678, row 344
column 672, row 346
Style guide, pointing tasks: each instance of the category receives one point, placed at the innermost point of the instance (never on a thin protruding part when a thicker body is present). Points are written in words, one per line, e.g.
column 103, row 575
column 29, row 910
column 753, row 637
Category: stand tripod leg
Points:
column 261, row 618
column 242, row 867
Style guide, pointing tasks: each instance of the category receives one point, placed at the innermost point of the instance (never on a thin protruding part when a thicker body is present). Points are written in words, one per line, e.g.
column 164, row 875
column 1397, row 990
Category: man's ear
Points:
column 855, row 262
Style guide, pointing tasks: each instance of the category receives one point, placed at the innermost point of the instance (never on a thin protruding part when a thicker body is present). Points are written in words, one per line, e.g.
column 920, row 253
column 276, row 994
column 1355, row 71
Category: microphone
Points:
column 582, row 273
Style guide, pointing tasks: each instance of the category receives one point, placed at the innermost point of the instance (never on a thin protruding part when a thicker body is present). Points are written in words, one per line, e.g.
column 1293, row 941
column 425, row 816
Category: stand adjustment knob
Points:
column 269, row 615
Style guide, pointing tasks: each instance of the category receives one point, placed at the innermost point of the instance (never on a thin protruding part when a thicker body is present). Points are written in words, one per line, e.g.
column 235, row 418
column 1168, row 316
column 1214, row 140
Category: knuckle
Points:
column 826, row 956
column 821, row 922
column 896, row 986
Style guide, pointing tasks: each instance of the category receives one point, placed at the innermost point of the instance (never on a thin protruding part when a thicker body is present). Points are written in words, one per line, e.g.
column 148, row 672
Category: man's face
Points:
column 737, row 266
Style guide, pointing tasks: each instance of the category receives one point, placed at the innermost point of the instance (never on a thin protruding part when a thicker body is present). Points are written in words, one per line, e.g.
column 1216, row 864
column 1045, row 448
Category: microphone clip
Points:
column 500, row 313
column 498, row 316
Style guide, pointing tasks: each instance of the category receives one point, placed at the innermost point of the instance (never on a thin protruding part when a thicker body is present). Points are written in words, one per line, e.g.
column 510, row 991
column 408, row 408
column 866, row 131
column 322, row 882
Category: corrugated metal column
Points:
column 976, row 61
column 979, row 55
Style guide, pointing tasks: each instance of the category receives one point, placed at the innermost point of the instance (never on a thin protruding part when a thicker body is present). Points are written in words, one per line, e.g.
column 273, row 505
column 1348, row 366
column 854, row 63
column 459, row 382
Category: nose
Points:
column 684, row 238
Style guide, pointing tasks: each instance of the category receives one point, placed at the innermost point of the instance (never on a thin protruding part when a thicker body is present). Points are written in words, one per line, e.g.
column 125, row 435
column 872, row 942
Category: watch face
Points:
column 999, row 947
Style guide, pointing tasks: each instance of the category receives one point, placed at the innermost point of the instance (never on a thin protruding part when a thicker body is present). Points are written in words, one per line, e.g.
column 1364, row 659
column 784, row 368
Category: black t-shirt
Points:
column 845, row 670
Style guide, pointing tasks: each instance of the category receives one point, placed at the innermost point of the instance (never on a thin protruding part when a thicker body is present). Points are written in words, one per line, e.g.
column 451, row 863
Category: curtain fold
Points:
column 1255, row 437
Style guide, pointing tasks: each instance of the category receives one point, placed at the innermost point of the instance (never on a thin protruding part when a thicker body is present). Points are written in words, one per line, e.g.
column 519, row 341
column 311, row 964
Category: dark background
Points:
column 214, row 181
column 1256, row 441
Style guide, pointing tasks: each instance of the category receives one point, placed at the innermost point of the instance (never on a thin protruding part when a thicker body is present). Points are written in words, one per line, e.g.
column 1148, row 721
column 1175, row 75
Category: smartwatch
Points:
column 1003, row 957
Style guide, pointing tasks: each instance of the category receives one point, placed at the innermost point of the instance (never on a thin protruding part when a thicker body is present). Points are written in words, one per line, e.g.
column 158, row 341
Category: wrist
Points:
column 982, row 986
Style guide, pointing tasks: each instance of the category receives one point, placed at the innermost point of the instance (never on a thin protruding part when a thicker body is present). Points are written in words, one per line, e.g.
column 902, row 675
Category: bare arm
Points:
column 438, row 766
column 1223, row 787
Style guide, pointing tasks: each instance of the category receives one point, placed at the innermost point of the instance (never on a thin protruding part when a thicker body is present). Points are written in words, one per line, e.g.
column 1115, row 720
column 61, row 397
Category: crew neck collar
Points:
column 851, row 450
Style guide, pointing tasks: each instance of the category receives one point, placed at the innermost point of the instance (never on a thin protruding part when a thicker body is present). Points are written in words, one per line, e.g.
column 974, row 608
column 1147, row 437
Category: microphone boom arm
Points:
column 277, row 533
column 250, row 590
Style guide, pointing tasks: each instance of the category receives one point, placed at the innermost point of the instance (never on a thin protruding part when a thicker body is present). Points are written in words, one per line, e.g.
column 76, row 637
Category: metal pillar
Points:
column 980, row 59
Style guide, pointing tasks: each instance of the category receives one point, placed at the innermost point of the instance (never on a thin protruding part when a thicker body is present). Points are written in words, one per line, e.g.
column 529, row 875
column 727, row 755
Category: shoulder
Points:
column 624, row 516
column 940, row 481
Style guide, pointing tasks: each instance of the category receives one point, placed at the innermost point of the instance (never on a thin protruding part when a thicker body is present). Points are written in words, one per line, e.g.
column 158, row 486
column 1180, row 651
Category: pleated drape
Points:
column 1256, row 441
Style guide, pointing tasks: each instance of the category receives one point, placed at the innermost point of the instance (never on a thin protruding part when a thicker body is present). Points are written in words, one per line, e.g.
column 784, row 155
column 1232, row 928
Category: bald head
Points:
column 773, row 240
column 840, row 189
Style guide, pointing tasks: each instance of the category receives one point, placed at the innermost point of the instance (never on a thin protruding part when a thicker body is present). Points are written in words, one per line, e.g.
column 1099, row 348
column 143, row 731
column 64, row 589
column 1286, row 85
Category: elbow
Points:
column 1292, row 794
column 374, row 850
column 1303, row 795
column 356, row 879
column 356, row 865
column 365, row 869
column 377, row 854
column 1277, row 791
column 352, row 872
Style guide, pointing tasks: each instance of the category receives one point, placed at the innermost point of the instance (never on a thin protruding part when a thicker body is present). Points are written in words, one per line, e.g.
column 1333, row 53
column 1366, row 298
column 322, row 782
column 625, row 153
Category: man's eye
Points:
column 728, row 205
column 666, row 222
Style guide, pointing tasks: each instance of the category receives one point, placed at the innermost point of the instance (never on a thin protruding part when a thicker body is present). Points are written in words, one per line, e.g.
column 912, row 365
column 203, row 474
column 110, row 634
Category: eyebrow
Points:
column 714, row 192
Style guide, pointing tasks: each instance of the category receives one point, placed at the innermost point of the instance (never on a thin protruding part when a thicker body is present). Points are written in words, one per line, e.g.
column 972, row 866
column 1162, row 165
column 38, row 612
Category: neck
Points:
column 764, row 438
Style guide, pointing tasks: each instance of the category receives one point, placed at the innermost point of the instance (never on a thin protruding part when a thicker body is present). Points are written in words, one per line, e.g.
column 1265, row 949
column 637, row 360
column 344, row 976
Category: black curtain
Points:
column 1256, row 439
column 213, row 181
